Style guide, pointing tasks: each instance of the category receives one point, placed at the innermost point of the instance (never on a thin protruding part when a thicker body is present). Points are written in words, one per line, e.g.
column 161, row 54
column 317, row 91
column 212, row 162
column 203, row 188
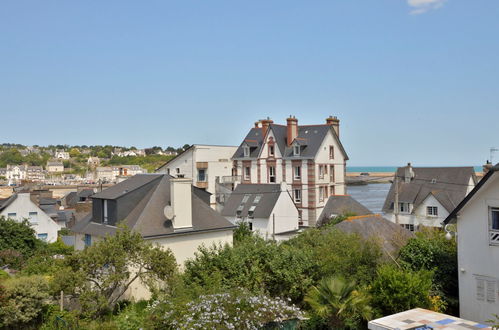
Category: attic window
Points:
column 257, row 199
column 271, row 151
column 296, row 150
column 246, row 151
column 251, row 212
column 245, row 199
column 239, row 210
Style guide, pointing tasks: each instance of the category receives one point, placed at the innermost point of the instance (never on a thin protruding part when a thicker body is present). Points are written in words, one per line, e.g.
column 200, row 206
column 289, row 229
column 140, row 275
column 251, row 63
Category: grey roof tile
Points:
column 269, row 194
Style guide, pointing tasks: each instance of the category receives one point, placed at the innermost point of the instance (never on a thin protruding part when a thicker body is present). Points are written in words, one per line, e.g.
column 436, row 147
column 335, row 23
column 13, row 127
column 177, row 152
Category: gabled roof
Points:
column 269, row 194
column 147, row 217
column 480, row 184
column 342, row 204
column 448, row 185
column 310, row 138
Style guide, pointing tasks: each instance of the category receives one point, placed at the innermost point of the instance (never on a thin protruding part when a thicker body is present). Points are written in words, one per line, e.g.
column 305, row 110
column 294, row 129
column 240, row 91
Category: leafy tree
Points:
column 431, row 251
column 254, row 264
column 23, row 300
column 102, row 273
column 396, row 290
column 19, row 237
column 338, row 253
column 340, row 303
column 242, row 232
column 186, row 146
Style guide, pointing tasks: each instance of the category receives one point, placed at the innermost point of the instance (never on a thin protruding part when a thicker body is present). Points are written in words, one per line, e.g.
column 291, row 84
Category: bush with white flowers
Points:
column 235, row 310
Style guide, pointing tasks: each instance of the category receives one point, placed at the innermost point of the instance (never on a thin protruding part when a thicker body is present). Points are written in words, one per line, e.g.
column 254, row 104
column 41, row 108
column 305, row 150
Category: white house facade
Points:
column 310, row 159
column 267, row 208
column 477, row 219
column 426, row 195
column 203, row 164
column 20, row 206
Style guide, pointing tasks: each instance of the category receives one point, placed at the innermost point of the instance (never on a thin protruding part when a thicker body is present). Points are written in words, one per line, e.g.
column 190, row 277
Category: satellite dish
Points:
column 168, row 212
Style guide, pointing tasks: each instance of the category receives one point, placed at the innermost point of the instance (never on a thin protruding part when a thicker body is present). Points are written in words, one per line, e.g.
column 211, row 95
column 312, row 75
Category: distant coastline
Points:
column 384, row 169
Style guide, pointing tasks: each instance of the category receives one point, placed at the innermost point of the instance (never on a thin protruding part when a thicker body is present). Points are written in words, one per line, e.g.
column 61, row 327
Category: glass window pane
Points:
column 494, row 219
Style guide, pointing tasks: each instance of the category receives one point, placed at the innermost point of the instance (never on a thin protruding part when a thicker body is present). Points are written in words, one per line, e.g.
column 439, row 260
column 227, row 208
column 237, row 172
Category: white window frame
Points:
column 321, row 194
column 404, row 208
column 331, row 152
column 246, row 151
column 251, row 212
column 33, row 220
column 271, row 150
column 105, row 217
column 296, row 150
column 493, row 232
column 272, row 174
column 12, row 215
column 297, row 172
column 321, row 171
column 247, row 173
column 297, row 195
column 432, row 211
column 257, row 199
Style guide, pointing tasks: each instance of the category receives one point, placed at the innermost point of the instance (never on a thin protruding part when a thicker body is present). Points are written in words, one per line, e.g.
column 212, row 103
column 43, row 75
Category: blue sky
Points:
column 411, row 80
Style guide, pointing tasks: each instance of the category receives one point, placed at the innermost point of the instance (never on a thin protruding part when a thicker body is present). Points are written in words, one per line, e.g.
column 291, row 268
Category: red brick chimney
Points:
column 292, row 132
column 265, row 125
column 335, row 122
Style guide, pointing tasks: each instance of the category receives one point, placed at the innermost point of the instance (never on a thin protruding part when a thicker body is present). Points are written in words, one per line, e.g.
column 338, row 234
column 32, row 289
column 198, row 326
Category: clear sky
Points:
column 411, row 80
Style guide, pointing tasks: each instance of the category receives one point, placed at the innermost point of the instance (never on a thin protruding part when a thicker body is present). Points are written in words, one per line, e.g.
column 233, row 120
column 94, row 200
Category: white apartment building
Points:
column 203, row 164
column 310, row 159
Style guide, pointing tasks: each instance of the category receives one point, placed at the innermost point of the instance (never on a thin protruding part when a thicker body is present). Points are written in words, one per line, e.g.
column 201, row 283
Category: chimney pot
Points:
column 181, row 202
column 292, row 129
column 335, row 123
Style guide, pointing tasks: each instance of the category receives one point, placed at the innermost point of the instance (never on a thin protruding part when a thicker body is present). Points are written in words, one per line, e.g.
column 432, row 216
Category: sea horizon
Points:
column 388, row 169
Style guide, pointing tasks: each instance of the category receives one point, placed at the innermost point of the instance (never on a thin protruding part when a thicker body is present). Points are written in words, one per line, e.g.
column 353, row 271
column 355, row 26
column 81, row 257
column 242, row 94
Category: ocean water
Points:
column 371, row 196
column 385, row 169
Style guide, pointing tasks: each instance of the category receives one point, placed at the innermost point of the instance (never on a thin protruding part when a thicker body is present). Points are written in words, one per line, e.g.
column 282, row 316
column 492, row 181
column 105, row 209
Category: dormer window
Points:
column 296, row 150
column 251, row 212
column 271, row 151
column 246, row 151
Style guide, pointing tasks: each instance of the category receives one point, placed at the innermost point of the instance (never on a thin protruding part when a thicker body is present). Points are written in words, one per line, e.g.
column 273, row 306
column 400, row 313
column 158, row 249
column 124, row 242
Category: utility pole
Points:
column 396, row 206
column 273, row 226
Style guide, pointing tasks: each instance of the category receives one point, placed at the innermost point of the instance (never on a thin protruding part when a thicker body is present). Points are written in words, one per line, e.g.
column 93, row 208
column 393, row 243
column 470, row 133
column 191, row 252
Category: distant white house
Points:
column 93, row 162
column 61, row 154
column 267, row 208
column 20, row 206
column 104, row 173
column 203, row 164
column 17, row 173
column 128, row 170
column 426, row 195
column 477, row 218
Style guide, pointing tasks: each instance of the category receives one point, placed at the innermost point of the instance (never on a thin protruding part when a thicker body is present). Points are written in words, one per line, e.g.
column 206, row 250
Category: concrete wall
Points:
column 477, row 259
column 183, row 247
column 22, row 206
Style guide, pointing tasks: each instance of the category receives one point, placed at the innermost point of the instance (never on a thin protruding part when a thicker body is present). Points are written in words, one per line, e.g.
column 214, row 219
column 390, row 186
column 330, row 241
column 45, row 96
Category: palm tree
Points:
column 338, row 301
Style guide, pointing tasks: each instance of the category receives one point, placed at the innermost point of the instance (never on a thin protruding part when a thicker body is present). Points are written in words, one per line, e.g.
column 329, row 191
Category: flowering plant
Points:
column 234, row 310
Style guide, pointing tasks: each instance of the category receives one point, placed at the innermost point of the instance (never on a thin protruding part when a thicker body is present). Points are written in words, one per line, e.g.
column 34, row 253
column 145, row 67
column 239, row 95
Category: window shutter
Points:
column 480, row 289
column 491, row 291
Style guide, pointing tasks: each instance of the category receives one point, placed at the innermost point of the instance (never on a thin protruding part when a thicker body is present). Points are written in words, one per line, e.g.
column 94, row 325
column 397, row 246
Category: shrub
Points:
column 231, row 310
column 23, row 301
column 17, row 236
column 396, row 290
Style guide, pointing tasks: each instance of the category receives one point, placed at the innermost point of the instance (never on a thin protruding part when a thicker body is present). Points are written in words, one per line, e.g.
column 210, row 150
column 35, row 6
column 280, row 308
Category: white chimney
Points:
column 181, row 200
column 408, row 173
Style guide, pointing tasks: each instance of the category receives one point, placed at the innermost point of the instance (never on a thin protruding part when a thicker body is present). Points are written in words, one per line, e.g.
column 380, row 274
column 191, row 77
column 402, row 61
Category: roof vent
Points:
column 433, row 180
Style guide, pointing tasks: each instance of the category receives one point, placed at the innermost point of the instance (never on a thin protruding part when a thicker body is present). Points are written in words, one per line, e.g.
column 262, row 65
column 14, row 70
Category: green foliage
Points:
column 132, row 317
column 338, row 253
column 100, row 274
column 19, row 237
column 149, row 162
column 229, row 310
column 340, row 303
column 242, row 232
column 14, row 157
column 254, row 264
column 431, row 251
column 396, row 290
column 23, row 300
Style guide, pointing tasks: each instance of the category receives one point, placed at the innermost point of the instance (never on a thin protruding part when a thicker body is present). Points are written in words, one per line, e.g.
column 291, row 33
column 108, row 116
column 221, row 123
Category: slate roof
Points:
column 453, row 215
column 6, row 202
column 86, row 193
column 447, row 184
column 310, row 137
column 269, row 195
column 342, row 204
column 391, row 236
column 147, row 216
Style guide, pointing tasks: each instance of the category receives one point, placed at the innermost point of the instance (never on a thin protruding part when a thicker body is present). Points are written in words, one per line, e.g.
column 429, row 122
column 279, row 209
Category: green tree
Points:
column 19, row 237
column 102, row 273
column 340, row 302
column 431, row 251
column 23, row 301
column 396, row 290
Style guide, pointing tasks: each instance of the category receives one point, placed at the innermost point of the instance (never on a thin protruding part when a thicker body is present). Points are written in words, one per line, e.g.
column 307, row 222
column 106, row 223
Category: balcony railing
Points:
column 494, row 237
column 230, row 179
